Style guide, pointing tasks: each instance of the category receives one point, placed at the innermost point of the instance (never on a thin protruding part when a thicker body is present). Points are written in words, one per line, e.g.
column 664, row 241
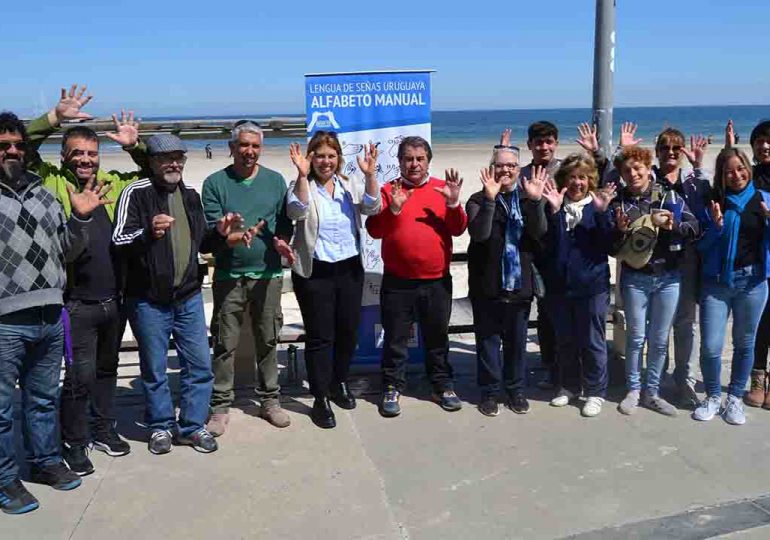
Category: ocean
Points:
column 472, row 127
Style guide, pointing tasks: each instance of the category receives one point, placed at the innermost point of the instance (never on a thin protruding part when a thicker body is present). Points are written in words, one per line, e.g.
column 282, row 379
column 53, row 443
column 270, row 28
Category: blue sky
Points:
column 166, row 57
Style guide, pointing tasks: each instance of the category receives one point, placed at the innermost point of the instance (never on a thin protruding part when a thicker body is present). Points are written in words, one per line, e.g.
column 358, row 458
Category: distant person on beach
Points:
column 580, row 234
column 506, row 223
column 693, row 186
column 248, row 277
column 735, row 249
column 328, row 273
column 36, row 238
column 420, row 215
column 93, row 296
column 207, row 149
column 648, row 241
column 159, row 232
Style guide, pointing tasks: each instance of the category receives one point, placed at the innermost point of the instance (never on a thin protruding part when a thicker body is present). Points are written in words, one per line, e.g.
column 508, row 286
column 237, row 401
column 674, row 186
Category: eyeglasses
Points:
column 506, row 165
column 675, row 149
column 20, row 146
column 507, row 147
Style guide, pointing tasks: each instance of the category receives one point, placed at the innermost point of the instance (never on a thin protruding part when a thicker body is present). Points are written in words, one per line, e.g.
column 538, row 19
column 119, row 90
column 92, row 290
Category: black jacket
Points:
column 486, row 226
column 149, row 263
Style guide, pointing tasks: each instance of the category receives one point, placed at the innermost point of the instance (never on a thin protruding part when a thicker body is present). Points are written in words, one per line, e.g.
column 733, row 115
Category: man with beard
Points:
column 35, row 240
column 93, row 288
column 159, row 231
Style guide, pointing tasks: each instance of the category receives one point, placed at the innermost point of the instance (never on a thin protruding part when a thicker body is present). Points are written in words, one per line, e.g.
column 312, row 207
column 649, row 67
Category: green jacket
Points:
column 55, row 179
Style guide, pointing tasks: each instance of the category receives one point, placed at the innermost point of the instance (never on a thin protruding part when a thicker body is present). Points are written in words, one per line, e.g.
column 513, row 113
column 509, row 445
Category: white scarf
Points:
column 574, row 211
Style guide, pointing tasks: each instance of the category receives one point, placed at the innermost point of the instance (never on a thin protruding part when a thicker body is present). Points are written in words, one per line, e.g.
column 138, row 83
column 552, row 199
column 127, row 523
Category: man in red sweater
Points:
column 420, row 215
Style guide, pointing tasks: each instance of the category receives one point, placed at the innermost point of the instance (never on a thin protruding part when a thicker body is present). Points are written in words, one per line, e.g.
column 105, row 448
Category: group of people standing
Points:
column 84, row 251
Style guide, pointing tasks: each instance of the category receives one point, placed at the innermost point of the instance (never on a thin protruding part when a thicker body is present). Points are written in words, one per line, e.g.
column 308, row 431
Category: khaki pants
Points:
column 262, row 297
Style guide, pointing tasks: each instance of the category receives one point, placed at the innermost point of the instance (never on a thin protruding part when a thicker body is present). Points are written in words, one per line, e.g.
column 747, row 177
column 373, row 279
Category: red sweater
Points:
column 417, row 243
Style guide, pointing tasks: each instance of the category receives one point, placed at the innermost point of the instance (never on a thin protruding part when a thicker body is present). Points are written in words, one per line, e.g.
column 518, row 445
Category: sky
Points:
column 167, row 57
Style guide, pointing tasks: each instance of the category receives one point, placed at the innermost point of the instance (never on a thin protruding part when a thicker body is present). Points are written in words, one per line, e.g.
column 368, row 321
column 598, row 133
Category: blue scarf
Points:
column 735, row 203
column 514, row 227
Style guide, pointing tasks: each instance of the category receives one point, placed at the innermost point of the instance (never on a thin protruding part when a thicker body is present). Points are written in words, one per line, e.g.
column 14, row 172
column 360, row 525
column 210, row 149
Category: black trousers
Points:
column 500, row 323
column 330, row 302
column 92, row 377
column 763, row 339
column 429, row 303
column 546, row 337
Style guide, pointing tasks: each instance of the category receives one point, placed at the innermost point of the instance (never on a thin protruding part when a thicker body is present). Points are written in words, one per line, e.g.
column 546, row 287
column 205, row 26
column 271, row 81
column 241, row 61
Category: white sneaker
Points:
column 707, row 409
column 562, row 398
column 593, row 406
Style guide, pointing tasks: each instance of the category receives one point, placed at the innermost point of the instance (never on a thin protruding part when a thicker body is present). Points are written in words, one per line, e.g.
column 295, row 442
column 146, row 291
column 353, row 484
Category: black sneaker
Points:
column 76, row 458
column 518, row 404
column 15, row 499
column 58, row 476
column 160, row 442
column 489, row 407
column 201, row 440
column 389, row 406
column 448, row 400
column 112, row 444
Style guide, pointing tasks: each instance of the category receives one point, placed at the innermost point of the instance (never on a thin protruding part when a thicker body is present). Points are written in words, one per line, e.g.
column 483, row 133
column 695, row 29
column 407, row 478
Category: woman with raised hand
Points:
column 577, row 279
column 505, row 227
column 328, row 275
column 735, row 248
column 648, row 239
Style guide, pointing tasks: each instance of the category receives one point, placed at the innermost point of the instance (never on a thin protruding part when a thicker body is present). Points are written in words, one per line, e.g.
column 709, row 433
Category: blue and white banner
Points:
column 373, row 107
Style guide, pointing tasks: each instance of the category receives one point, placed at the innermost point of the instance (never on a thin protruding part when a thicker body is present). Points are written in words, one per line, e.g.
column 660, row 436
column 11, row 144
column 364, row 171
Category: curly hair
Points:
column 580, row 163
column 635, row 153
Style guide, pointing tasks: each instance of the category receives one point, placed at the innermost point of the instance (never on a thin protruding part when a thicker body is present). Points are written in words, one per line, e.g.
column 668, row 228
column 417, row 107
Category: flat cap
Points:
column 165, row 143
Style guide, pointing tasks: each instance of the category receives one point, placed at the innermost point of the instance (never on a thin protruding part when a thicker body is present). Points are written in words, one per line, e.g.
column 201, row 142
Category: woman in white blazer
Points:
column 328, row 275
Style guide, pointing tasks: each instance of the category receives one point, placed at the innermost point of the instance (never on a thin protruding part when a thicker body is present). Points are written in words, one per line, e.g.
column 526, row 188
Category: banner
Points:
column 373, row 107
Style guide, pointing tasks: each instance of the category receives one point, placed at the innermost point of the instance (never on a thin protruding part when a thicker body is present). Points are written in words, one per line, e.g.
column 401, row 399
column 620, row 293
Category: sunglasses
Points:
column 666, row 148
column 242, row 122
column 20, row 146
column 507, row 147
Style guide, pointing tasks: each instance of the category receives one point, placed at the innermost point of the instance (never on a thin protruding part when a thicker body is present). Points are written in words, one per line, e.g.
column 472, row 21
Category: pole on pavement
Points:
column 604, row 72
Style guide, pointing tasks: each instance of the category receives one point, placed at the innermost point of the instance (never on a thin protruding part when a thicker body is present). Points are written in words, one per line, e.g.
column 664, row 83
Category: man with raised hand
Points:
column 159, row 231
column 248, row 278
column 93, row 288
column 35, row 240
column 420, row 215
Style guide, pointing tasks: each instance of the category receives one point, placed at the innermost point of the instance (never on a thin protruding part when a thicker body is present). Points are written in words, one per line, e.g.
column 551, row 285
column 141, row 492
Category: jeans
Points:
column 684, row 320
column 262, row 299
column 428, row 302
column 31, row 350
column 330, row 302
column 746, row 300
column 498, row 323
column 650, row 302
column 93, row 374
column 152, row 325
column 580, row 328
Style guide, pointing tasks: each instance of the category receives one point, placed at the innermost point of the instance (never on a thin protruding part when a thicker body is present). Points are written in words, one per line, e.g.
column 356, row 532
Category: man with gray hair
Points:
column 248, row 277
column 159, row 231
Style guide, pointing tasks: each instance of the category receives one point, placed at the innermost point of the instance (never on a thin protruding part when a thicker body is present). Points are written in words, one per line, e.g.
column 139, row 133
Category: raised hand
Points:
column 555, row 197
column 587, row 137
column 729, row 134
column 228, row 222
column 160, row 224
column 491, row 184
column 252, row 232
column 628, row 134
column 284, row 250
column 126, row 129
column 622, row 221
column 368, row 164
column 697, row 150
column 452, row 187
column 535, row 186
column 301, row 162
column 88, row 200
column 71, row 103
column 505, row 137
column 663, row 219
column 716, row 214
column 603, row 197
column 399, row 196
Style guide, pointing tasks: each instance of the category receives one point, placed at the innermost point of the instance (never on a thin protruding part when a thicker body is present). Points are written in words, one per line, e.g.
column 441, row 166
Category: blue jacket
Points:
column 712, row 255
column 575, row 262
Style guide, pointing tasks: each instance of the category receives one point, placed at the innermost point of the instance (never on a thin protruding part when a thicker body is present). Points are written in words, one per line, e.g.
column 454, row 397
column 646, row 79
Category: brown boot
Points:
column 756, row 396
column 217, row 424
